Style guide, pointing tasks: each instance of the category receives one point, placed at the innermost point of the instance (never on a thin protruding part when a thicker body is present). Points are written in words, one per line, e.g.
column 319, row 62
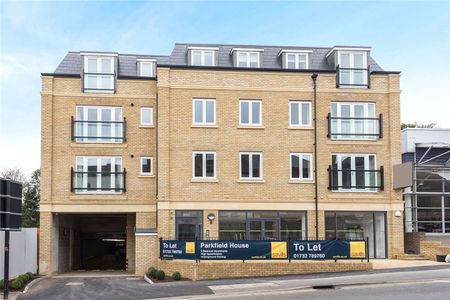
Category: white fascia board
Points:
column 146, row 59
column 203, row 48
column 247, row 49
column 98, row 54
column 293, row 51
column 367, row 49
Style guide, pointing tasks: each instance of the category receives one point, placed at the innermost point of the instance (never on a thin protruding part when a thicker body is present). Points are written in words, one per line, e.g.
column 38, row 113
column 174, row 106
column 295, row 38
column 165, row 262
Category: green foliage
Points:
column 160, row 275
column 176, row 276
column 23, row 278
column 2, row 284
column 16, row 284
column 151, row 272
column 31, row 199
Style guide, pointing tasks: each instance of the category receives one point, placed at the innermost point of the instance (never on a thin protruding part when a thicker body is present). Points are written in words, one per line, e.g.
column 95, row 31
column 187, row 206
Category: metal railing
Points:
column 351, row 73
column 96, row 87
column 334, row 123
column 374, row 177
column 80, row 131
column 79, row 181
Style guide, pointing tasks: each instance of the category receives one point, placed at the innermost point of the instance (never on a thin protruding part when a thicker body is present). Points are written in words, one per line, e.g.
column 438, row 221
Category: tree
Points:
column 15, row 174
column 31, row 199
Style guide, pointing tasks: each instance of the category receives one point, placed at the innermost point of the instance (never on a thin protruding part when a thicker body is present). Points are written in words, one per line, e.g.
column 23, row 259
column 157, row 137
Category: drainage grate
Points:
column 323, row 287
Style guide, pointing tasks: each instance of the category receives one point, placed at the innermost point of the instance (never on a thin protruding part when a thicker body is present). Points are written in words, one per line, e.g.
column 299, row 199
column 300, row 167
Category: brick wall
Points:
column 412, row 242
column 430, row 249
column 236, row 269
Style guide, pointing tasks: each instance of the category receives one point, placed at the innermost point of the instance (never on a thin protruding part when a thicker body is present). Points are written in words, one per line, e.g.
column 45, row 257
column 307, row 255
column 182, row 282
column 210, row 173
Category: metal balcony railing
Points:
column 355, row 180
column 355, row 128
column 98, row 131
column 98, row 182
column 352, row 77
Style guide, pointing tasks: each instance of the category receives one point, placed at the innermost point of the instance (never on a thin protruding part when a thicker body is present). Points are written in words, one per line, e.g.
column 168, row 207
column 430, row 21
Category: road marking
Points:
column 75, row 283
column 242, row 286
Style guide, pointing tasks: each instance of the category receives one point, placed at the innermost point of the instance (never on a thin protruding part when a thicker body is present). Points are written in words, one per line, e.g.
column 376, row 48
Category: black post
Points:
column 382, row 178
column 381, row 126
column 124, row 130
column 71, row 180
column 289, row 249
column 329, row 125
column 367, row 248
column 6, row 269
column 71, row 128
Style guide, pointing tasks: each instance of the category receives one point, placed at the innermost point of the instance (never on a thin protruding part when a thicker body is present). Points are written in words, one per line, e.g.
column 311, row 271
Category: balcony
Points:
column 352, row 78
column 99, row 82
column 98, row 131
column 355, row 180
column 355, row 128
column 98, row 182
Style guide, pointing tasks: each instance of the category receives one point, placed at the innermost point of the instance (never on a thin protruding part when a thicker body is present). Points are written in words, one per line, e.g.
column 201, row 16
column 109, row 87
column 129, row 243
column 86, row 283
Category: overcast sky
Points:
column 412, row 37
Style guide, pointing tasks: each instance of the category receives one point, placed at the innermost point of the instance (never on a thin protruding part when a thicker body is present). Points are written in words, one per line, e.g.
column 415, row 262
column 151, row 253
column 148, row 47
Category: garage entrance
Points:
column 92, row 242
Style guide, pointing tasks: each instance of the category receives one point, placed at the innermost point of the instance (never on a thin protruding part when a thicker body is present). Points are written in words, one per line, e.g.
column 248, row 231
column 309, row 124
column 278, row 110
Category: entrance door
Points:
column 263, row 229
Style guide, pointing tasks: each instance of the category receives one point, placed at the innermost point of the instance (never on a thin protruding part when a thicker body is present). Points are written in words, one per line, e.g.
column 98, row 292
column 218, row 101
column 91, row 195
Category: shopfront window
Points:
column 189, row 224
column 358, row 226
column 262, row 225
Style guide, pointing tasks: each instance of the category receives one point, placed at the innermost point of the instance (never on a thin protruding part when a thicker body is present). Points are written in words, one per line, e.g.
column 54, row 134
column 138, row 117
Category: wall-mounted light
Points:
column 211, row 217
column 398, row 214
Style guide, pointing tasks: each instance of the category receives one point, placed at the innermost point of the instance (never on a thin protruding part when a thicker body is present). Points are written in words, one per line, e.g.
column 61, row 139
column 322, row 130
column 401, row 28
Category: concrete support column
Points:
column 131, row 243
column 395, row 235
column 147, row 245
column 45, row 243
column 211, row 229
column 311, row 217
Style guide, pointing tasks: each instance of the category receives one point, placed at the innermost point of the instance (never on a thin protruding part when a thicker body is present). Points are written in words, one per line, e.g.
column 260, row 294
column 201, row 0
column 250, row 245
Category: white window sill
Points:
column 251, row 127
column 251, row 181
column 203, row 180
column 301, row 181
column 146, row 176
column 300, row 128
column 204, row 126
column 146, row 126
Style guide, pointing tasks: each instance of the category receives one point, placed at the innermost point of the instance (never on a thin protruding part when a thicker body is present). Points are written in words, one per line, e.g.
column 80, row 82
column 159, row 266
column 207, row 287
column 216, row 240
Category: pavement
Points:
column 417, row 282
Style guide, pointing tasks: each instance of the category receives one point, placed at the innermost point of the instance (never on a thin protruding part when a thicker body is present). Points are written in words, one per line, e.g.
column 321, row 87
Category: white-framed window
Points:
column 251, row 165
column 147, row 67
column 250, row 112
column 352, row 68
column 301, row 166
column 146, row 165
column 98, row 124
column 201, row 57
column 296, row 61
column 247, row 59
column 353, row 121
column 146, row 116
column 204, row 111
column 98, row 174
column 299, row 113
column 354, row 172
column 99, row 74
column 204, row 165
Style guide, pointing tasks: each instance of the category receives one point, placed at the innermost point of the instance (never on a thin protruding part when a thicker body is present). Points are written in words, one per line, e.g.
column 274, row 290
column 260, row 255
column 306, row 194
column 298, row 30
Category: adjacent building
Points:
column 216, row 142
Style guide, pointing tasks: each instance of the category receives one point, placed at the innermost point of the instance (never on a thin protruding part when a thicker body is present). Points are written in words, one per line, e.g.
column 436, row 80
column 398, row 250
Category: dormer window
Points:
column 247, row 58
column 99, row 73
column 295, row 59
column 202, row 56
column 351, row 66
column 146, row 67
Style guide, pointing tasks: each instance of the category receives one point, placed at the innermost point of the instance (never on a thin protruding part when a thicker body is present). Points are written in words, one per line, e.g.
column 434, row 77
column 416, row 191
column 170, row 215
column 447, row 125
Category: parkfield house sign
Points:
column 254, row 250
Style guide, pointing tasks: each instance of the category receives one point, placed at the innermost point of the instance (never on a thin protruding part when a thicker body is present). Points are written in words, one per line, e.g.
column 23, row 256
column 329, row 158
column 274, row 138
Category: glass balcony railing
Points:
column 98, row 182
column 355, row 179
column 98, row 131
column 352, row 77
column 353, row 128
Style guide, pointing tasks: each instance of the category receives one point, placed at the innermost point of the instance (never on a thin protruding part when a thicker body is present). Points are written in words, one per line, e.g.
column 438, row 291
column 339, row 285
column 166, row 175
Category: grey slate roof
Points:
column 72, row 62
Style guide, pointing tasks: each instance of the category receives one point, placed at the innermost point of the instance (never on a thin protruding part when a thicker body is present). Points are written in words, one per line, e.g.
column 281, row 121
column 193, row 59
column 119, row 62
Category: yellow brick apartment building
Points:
column 216, row 142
